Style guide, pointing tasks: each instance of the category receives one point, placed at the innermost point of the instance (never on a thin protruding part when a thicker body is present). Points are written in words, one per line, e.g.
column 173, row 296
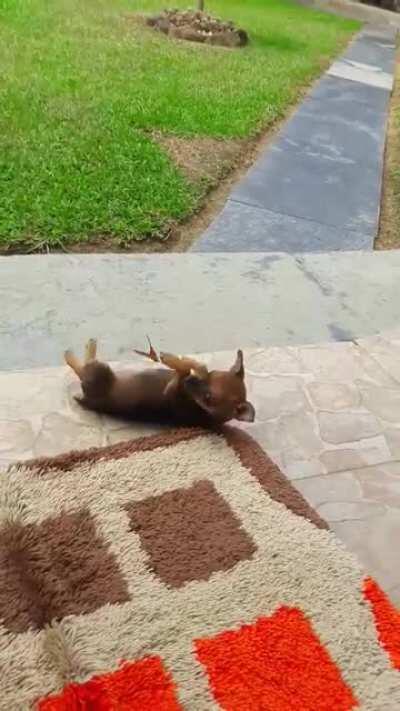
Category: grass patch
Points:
column 84, row 87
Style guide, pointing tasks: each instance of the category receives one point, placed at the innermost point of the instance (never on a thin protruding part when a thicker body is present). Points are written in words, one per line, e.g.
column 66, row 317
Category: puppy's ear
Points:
column 238, row 367
column 245, row 412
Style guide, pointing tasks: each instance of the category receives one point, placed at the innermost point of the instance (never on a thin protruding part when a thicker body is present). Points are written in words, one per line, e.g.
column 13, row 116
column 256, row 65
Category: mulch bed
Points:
column 196, row 26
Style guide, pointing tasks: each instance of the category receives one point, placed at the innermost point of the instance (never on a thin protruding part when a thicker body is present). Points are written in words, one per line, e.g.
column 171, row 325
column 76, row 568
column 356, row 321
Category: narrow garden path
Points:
column 318, row 186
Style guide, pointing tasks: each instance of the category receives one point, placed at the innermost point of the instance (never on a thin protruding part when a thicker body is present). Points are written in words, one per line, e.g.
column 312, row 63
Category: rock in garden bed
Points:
column 197, row 26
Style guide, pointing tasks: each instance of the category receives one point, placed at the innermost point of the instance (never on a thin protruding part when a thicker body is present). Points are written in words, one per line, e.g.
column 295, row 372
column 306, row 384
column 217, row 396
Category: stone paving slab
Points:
column 324, row 170
column 361, row 73
column 255, row 229
column 385, row 351
column 370, row 60
column 376, row 47
column 190, row 302
column 300, row 181
column 329, row 415
column 325, row 123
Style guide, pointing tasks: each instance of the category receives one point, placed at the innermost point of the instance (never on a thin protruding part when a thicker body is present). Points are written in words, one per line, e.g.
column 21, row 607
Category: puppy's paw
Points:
column 90, row 350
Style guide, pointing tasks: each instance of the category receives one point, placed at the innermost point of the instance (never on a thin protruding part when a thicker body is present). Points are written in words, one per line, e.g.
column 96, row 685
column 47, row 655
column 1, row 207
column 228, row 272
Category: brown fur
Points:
column 187, row 395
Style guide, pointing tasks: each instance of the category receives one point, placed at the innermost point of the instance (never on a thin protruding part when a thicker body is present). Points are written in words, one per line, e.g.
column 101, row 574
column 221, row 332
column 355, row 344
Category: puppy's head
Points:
column 221, row 393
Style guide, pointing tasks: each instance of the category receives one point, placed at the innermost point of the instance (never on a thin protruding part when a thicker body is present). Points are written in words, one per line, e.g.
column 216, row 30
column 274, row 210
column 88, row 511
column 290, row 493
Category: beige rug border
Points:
column 250, row 453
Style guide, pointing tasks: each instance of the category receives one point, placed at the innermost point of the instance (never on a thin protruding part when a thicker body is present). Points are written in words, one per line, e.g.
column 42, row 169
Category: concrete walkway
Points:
column 318, row 186
column 190, row 302
column 329, row 415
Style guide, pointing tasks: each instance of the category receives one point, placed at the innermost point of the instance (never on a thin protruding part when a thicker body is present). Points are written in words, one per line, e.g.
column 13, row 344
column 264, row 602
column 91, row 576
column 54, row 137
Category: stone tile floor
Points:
column 329, row 415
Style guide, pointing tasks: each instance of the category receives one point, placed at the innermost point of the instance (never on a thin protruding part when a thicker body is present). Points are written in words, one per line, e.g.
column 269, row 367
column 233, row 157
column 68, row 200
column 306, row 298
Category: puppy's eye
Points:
column 207, row 398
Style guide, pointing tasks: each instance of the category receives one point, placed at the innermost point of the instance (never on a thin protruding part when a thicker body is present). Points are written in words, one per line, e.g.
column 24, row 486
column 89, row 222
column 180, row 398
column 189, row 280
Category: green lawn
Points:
column 82, row 87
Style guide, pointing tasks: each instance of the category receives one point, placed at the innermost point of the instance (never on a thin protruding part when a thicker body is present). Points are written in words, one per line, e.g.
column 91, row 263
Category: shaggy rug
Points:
column 183, row 571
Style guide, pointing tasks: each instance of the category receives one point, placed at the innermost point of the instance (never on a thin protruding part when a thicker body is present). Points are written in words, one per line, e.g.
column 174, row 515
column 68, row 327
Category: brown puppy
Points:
column 184, row 393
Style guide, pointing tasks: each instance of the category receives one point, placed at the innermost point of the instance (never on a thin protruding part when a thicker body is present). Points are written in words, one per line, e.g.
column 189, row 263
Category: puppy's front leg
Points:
column 90, row 350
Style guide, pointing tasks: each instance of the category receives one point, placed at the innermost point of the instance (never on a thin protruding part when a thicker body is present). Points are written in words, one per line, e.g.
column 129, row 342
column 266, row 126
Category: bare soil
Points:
column 389, row 225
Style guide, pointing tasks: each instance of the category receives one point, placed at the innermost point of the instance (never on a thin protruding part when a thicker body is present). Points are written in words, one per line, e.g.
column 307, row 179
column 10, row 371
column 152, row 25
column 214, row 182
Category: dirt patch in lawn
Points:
column 235, row 163
column 389, row 224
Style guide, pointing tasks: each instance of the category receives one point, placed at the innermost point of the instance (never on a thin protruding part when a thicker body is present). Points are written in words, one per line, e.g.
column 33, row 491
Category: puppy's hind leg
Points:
column 77, row 366
column 96, row 378
column 74, row 363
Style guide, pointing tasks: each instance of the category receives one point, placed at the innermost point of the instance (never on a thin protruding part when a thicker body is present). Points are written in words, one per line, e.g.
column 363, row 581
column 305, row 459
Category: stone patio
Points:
column 329, row 415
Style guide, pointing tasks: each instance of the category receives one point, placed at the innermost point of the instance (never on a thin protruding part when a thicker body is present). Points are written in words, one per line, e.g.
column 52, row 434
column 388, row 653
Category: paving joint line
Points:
column 298, row 217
